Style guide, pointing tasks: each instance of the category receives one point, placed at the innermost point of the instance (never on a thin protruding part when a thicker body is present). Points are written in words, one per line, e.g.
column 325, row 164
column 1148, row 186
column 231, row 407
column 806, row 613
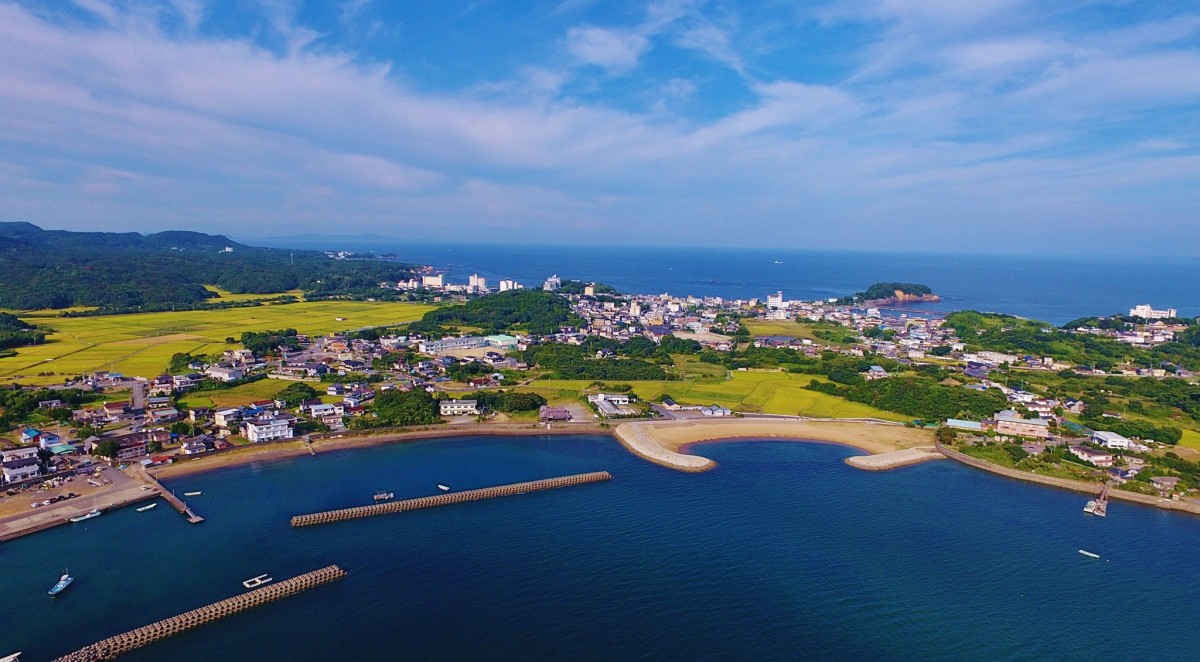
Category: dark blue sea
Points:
column 1052, row 288
column 783, row 552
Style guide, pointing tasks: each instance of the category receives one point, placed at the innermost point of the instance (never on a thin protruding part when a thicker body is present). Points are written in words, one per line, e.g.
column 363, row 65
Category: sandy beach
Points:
column 668, row 442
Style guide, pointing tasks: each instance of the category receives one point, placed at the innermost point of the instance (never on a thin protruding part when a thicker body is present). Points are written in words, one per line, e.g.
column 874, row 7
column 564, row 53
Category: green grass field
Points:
column 790, row 329
column 765, row 392
column 263, row 389
column 142, row 344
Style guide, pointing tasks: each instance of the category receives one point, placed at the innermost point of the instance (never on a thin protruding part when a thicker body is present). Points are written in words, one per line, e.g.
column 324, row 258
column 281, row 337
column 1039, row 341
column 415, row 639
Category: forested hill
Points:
column 129, row 271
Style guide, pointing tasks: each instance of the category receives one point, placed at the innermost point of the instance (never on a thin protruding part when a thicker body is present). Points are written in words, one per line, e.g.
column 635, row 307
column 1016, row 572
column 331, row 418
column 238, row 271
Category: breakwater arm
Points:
column 447, row 499
column 111, row 648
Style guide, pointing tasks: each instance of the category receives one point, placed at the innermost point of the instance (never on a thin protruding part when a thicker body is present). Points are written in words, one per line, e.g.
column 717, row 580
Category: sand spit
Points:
column 666, row 442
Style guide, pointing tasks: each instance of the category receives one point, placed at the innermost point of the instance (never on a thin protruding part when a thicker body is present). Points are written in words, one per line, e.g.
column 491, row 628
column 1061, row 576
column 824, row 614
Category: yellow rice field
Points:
column 757, row 391
column 143, row 343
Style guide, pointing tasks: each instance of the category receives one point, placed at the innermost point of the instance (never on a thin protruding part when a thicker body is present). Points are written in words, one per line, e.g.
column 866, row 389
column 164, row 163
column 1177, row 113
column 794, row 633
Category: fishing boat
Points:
column 384, row 496
column 63, row 583
column 94, row 513
column 15, row 657
column 444, row 488
column 1099, row 505
column 149, row 507
column 255, row 582
column 1089, row 554
column 192, row 493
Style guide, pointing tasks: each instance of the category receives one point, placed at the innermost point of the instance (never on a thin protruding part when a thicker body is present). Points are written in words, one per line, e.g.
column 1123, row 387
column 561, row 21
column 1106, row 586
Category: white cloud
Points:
column 612, row 50
column 989, row 128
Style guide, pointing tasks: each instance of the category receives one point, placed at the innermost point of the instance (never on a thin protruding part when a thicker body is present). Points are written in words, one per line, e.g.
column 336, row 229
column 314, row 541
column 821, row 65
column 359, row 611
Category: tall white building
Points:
column 432, row 281
column 506, row 285
column 552, row 283
column 775, row 301
column 1145, row 311
column 477, row 283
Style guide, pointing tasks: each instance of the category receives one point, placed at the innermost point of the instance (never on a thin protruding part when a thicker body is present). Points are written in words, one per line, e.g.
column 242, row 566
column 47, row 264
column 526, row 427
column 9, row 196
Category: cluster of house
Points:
column 655, row 317
column 1099, row 453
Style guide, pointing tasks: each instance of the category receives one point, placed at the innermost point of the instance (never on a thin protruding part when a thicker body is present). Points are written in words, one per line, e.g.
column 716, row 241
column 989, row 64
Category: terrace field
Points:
column 143, row 343
column 767, row 392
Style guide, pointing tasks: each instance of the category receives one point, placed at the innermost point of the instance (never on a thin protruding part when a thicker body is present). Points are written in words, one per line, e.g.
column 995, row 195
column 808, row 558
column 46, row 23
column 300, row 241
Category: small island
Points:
column 890, row 294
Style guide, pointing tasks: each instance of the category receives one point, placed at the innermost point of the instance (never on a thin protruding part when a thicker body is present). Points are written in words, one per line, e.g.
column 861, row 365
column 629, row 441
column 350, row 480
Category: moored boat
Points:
column 94, row 513
column 63, row 583
column 1099, row 505
column 1089, row 554
column 192, row 493
column 255, row 582
column 444, row 488
column 149, row 507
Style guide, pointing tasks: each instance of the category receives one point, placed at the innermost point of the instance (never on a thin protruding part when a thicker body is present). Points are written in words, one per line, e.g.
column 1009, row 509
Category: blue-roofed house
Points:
column 970, row 426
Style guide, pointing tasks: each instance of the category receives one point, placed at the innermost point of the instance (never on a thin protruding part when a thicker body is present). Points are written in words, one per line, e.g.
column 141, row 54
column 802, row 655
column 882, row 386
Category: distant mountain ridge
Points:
column 22, row 231
column 130, row 271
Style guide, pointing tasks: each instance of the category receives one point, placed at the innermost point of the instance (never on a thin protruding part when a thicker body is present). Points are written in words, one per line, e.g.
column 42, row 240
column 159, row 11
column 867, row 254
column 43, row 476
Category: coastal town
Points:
column 73, row 437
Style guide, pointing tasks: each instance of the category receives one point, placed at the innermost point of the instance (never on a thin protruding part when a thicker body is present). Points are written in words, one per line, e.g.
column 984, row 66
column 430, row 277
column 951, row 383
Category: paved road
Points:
column 122, row 491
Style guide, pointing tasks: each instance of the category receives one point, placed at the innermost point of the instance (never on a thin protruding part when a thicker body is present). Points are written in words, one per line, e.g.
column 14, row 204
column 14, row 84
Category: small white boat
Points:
column 149, row 507
column 15, row 657
column 94, row 513
column 1089, row 554
column 192, row 493
column 444, row 488
column 384, row 496
column 63, row 583
column 255, row 582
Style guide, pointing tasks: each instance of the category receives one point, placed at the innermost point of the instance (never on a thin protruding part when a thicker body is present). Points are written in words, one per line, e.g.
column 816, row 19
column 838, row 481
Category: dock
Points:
column 112, row 647
column 344, row 514
column 178, row 504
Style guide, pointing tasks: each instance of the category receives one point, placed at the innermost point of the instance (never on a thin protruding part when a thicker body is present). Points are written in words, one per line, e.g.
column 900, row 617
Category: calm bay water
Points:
column 1055, row 289
column 782, row 552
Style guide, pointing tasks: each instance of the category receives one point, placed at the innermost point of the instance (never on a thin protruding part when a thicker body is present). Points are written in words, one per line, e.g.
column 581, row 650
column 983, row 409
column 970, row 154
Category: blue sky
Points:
column 989, row 125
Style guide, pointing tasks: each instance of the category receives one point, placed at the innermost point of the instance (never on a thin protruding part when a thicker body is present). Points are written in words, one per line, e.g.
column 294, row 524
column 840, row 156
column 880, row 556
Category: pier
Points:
column 178, row 504
column 447, row 499
column 111, row 648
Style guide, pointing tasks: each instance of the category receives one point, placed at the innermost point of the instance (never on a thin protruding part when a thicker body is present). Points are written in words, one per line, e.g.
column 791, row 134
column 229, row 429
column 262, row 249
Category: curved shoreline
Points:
column 295, row 448
column 1069, row 484
column 667, row 443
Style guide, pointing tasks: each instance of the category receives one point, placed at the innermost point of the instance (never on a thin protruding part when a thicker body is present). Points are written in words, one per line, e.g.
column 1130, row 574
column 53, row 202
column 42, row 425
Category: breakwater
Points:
column 344, row 514
column 111, row 648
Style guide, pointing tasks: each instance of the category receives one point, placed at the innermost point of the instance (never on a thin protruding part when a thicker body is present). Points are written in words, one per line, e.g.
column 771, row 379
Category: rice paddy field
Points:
column 757, row 391
column 143, row 343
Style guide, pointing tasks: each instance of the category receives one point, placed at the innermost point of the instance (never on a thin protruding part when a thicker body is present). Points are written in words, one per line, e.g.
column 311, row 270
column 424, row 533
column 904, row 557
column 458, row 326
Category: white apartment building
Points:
column 458, row 407
column 1145, row 311
column 268, row 428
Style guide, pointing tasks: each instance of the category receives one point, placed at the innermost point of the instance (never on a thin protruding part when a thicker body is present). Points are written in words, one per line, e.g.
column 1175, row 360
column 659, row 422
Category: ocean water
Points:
column 1055, row 289
column 782, row 552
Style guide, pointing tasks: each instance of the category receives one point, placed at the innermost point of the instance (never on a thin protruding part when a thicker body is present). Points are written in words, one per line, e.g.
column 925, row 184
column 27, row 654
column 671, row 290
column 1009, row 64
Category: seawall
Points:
column 1069, row 484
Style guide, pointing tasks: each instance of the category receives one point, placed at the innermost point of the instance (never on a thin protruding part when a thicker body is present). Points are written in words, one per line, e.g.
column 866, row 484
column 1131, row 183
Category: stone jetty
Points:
column 111, row 648
column 447, row 499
